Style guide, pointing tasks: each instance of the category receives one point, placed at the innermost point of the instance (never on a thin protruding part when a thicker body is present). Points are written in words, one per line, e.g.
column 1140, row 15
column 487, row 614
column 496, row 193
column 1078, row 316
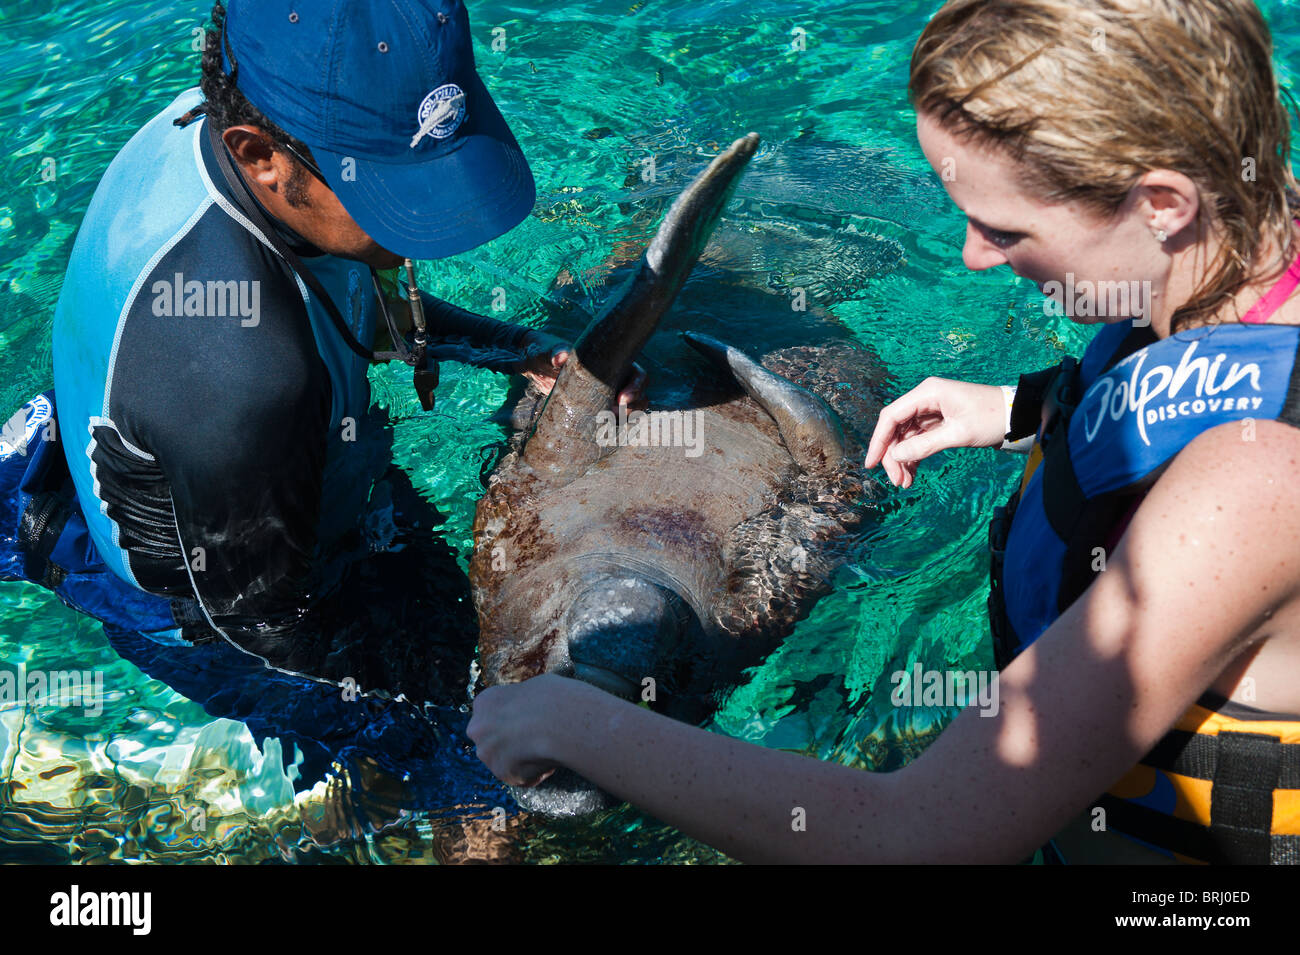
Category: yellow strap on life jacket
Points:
column 1031, row 465
column 1228, row 787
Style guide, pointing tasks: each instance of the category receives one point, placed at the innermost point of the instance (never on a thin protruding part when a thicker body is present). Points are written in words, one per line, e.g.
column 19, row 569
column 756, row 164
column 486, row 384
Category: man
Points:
column 213, row 337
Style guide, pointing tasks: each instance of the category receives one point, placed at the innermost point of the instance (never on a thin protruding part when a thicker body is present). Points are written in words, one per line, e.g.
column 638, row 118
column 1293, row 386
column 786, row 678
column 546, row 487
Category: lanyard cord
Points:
column 413, row 357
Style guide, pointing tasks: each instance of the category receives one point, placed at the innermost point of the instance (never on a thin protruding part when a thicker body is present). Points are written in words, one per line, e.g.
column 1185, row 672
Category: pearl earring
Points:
column 1161, row 235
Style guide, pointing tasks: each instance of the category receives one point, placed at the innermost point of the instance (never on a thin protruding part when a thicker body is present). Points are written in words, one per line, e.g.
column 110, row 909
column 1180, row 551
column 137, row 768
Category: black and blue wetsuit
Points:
column 216, row 422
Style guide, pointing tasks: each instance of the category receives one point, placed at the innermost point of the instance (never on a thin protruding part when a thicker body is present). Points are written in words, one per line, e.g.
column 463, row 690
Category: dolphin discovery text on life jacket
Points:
column 1158, row 393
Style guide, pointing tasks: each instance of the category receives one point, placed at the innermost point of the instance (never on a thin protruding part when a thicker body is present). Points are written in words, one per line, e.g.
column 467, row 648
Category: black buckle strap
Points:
column 1005, row 642
column 414, row 357
column 425, row 375
column 1162, row 830
column 1244, row 770
column 1241, row 796
column 1027, row 408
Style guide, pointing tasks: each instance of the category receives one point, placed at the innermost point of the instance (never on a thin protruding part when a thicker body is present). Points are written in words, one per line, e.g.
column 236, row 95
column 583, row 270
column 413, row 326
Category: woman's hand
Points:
column 545, row 355
column 935, row 415
column 509, row 728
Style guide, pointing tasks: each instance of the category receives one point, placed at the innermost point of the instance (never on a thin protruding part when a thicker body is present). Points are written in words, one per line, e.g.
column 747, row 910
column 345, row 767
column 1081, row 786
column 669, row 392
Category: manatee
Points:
column 657, row 553
column 817, row 178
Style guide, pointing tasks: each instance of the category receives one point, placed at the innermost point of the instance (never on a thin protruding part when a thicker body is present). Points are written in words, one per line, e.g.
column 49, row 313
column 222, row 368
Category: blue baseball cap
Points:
column 387, row 97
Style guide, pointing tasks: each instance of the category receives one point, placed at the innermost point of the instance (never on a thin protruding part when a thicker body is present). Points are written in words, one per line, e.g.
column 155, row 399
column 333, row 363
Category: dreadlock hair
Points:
column 225, row 106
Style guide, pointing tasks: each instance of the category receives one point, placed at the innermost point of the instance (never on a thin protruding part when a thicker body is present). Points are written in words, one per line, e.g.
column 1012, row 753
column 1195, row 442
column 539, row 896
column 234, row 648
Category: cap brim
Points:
column 457, row 200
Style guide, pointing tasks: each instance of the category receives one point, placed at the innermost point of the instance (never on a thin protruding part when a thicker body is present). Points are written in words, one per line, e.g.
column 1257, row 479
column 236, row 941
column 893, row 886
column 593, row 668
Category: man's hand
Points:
column 546, row 355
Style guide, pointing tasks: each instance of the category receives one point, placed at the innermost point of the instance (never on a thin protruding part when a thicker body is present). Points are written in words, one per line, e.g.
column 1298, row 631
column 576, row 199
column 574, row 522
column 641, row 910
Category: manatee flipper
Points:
column 810, row 429
column 782, row 560
column 562, row 444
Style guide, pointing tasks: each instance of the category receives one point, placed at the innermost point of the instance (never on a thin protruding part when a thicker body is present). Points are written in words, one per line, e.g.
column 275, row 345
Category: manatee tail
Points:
column 564, row 441
column 810, row 429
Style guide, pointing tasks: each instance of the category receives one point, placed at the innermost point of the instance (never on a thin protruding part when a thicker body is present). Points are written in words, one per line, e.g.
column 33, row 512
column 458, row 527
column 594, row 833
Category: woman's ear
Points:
column 1167, row 201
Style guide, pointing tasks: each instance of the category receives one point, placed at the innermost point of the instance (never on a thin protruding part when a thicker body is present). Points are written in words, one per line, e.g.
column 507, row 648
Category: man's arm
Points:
column 236, row 418
column 456, row 334
column 246, row 511
column 1190, row 587
column 461, row 335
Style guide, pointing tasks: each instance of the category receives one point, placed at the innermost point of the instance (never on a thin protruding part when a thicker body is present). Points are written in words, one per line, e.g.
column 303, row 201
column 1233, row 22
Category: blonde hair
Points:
column 1090, row 94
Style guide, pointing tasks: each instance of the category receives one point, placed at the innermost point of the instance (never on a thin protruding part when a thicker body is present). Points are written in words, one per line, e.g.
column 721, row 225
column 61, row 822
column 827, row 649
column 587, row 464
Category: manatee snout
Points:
column 618, row 630
column 564, row 794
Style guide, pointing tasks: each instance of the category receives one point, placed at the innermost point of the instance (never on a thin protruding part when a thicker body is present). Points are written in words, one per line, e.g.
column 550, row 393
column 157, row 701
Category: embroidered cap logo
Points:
column 440, row 114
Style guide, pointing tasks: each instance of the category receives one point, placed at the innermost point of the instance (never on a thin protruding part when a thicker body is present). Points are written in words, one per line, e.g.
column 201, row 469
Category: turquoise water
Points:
column 589, row 92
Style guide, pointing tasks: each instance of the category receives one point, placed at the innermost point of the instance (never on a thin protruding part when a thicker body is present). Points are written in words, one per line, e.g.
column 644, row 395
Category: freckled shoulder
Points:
column 1241, row 472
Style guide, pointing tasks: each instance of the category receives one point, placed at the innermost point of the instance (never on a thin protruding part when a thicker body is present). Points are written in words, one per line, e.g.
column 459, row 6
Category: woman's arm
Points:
column 1210, row 555
column 937, row 414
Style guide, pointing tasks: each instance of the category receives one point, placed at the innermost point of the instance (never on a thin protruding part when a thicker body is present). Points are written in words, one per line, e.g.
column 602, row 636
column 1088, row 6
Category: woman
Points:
column 1151, row 568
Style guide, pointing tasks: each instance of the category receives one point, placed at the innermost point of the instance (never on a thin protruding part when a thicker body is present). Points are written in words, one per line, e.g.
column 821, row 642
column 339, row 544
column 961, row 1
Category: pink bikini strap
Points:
column 1275, row 296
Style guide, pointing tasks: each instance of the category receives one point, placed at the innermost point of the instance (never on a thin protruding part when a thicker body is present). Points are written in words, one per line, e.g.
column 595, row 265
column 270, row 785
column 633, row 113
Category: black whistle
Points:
column 425, row 378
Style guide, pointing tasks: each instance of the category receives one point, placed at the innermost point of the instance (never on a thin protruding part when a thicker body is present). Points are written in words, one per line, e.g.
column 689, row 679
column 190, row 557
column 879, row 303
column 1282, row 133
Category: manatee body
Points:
column 655, row 554
column 814, row 178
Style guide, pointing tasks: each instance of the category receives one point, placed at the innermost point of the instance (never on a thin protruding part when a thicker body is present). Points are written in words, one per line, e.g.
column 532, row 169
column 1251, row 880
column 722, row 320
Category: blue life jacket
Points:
column 1106, row 429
